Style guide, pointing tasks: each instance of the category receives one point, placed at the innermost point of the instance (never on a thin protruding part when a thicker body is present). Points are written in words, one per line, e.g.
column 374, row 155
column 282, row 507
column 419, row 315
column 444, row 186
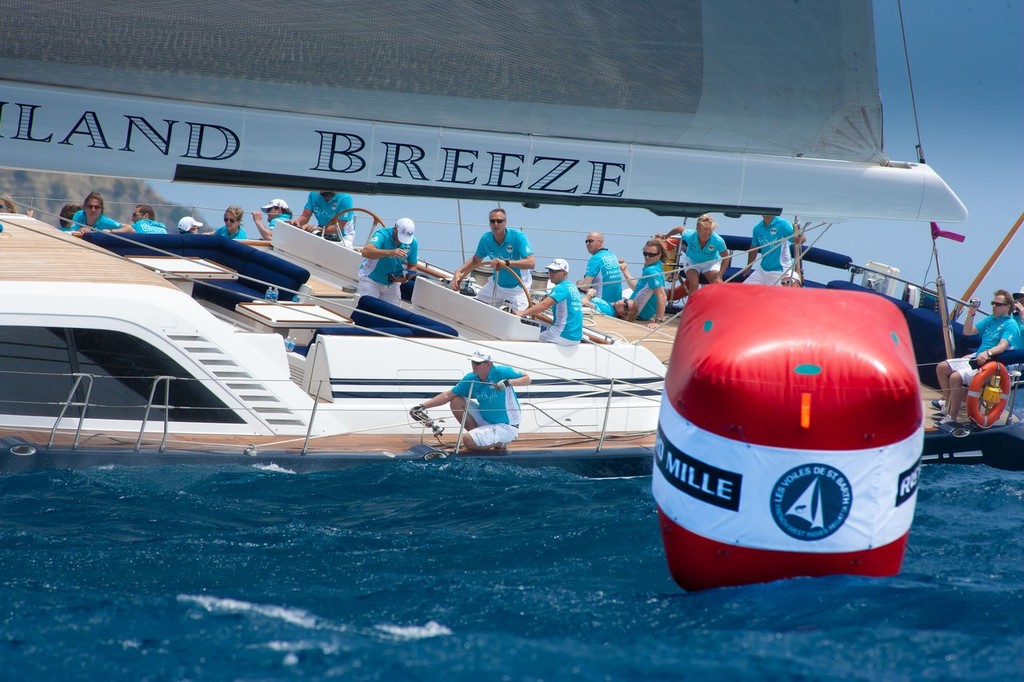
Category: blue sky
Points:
column 967, row 64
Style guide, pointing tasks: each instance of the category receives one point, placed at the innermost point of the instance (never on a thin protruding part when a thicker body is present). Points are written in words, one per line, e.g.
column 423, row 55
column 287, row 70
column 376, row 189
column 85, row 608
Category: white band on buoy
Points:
column 812, row 501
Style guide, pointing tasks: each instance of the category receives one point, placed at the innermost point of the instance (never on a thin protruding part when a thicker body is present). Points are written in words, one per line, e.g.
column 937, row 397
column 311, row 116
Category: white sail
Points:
column 680, row 106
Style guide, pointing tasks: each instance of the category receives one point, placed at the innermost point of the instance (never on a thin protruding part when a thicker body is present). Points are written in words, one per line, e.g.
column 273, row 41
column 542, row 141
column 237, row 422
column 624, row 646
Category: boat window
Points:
column 37, row 366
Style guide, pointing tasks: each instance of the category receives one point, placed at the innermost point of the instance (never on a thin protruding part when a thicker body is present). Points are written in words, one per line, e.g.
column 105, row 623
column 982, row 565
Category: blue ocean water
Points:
column 468, row 570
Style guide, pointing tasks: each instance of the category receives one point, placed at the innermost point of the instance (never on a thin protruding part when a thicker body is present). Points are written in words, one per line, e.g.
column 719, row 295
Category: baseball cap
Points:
column 277, row 203
column 559, row 264
column 480, row 356
column 187, row 223
column 406, row 229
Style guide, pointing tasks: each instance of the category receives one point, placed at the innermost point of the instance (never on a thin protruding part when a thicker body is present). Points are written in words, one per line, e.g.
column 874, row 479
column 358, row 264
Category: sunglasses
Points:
column 651, row 255
column 492, row 221
column 588, row 241
column 999, row 303
column 231, row 220
column 93, row 207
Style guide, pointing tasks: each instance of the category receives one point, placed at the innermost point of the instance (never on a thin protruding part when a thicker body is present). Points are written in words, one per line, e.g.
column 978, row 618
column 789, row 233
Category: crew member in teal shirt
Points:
column 649, row 290
column 389, row 259
column 232, row 227
column 566, row 328
column 90, row 217
column 603, row 270
column 510, row 252
column 333, row 213
column 143, row 220
column 486, row 400
column 277, row 211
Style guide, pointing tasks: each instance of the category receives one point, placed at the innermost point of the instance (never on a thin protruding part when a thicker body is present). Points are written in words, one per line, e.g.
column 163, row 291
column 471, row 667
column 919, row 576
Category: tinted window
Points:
column 36, row 365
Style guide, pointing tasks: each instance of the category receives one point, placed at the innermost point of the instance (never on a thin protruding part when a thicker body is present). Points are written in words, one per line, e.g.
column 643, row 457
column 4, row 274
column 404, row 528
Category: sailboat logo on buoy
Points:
column 811, row 502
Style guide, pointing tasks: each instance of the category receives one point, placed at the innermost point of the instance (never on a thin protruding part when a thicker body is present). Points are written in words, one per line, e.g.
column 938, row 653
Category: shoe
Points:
column 938, row 416
column 939, row 404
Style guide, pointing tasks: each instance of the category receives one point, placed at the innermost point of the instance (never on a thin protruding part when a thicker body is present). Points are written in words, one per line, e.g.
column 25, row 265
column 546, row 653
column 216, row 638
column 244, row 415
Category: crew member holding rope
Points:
column 484, row 402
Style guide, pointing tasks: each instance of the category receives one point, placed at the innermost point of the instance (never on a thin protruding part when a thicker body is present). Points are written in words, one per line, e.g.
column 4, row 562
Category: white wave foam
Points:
column 273, row 467
column 298, row 617
column 411, row 632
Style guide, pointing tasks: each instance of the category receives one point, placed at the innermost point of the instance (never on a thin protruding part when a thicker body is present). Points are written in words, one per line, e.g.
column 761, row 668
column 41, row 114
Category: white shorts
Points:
column 493, row 295
column 706, row 266
column 485, row 435
column 759, row 276
column 552, row 335
column 392, row 293
column 962, row 366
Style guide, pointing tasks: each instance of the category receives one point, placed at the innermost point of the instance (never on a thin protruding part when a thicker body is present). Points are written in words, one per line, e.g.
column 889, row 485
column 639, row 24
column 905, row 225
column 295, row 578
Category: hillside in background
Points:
column 46, row 193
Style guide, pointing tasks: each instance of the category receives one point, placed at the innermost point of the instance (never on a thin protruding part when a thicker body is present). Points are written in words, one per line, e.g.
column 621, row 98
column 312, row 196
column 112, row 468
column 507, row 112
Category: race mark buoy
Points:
column 790, row 437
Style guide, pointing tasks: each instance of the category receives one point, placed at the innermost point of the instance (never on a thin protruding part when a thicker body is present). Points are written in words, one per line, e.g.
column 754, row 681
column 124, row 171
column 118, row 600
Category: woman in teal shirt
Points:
column 232, row 227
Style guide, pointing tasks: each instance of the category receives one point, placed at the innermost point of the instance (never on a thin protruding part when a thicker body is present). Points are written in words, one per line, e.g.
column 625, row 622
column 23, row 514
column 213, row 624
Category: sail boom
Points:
column 64, row 130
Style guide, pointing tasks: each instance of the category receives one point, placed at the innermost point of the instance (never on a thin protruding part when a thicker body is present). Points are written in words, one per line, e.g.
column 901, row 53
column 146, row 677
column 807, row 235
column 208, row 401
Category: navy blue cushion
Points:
column 226, row 293
column 812, row 255
column 852, row 286
column 273, row 269
column 929, row 348
column 250, row 263
column 132, row 244
column 374, row 312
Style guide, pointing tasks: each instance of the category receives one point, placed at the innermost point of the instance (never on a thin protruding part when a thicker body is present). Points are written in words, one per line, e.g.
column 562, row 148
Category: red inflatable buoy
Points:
column 790, row 437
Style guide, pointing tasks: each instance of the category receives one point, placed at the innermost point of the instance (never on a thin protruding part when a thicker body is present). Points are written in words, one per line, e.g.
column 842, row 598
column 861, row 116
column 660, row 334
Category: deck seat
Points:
column 376, row 313
column 253, row 266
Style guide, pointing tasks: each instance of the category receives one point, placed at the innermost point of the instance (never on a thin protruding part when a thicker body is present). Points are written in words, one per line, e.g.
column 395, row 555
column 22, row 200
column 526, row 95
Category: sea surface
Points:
column 468, row 570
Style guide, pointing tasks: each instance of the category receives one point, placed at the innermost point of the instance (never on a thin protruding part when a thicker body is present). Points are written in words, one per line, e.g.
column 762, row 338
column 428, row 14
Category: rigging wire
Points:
column 910, row 80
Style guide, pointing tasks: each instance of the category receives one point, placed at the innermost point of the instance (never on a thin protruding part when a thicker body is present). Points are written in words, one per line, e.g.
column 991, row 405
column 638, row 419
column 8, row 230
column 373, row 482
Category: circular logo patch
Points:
column 811, row 501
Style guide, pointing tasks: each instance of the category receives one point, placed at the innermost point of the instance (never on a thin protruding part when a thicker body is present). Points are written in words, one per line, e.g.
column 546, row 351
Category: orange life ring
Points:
column 975, row 394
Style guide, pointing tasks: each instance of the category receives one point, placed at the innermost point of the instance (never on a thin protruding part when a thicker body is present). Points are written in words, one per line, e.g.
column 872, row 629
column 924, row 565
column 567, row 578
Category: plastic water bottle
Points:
column 289, row 344
column 272, row 294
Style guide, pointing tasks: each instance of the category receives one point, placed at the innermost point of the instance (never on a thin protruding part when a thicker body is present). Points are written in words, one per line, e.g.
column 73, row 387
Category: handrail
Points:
column 462, row 423
column 312, row 418
column 149, row 405
column 68, row 403
column 607, row 413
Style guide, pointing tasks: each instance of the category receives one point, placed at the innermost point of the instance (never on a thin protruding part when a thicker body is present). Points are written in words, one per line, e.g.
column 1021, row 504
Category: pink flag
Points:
column 939, row 232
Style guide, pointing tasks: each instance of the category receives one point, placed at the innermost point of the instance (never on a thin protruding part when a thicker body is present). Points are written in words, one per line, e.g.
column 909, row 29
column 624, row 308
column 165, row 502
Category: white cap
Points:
column 406, row 229
column 558, row 264
column 277, row 203
column 480, row 355
column 187, row 223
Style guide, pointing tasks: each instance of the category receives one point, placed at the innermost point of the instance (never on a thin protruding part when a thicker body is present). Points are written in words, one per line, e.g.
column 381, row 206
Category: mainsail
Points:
column 680, row 106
